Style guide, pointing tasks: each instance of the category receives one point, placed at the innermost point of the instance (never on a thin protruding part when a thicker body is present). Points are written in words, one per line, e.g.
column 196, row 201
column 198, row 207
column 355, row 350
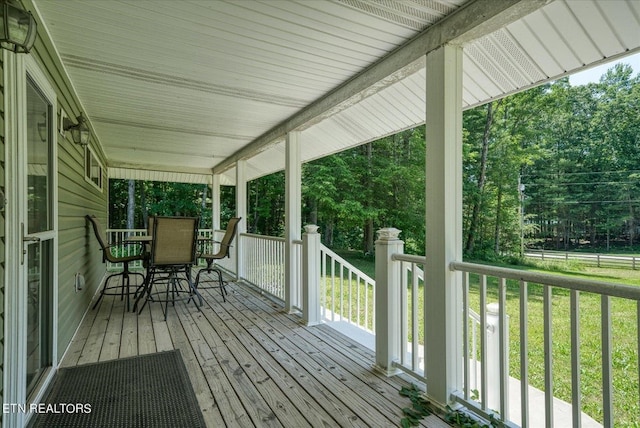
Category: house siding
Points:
column 78, row 250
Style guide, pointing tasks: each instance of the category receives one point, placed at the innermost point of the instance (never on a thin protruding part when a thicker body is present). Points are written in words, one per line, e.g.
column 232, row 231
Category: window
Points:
column 92, row 168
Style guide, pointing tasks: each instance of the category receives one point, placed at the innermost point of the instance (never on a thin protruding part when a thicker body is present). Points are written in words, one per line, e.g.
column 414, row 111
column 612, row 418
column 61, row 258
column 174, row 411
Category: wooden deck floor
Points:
column 250, row 363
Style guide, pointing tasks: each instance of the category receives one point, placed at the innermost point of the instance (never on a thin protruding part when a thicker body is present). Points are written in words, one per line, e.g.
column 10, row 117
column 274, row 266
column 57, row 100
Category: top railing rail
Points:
column 570, row 283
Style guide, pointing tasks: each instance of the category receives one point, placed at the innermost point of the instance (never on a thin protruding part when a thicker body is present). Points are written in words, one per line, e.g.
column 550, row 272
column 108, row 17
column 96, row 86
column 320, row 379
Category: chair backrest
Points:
column 174, row 241
column 97, row 230
column 229, row 234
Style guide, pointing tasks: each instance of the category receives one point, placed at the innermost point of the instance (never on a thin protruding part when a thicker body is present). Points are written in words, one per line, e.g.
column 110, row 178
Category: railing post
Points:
column 311, row 275
column 387, row 300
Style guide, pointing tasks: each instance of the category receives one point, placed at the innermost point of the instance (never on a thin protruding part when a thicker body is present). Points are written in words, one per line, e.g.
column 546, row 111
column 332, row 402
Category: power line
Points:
column 581, row 183
column 555, row 174
column 581, row 202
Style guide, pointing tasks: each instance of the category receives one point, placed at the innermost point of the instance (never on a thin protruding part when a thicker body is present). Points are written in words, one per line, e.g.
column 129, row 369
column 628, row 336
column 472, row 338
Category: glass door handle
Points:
column 26, row 239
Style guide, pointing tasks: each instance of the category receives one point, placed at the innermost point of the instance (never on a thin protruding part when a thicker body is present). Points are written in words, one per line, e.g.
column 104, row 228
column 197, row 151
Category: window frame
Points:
column 91, row 161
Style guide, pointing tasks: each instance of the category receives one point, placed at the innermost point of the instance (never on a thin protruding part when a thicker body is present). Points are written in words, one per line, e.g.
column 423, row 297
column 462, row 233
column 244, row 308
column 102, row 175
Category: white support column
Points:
column 241, row 211
column 311, row 275
column 443, row 298
column 215, row 202
column 293, row 218
column 387, row 302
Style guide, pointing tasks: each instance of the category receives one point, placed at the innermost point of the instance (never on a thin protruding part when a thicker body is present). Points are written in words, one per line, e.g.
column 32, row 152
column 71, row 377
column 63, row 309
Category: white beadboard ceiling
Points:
column 176, row 89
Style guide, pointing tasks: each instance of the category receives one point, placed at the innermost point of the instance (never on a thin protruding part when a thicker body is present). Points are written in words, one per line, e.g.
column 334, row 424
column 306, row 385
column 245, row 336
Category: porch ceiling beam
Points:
column 473, row 20
column 159, row 168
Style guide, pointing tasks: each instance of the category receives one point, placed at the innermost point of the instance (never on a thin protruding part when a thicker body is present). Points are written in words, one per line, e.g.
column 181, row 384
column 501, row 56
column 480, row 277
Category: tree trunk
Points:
column 131, row 204
column 496, row 232
column 632, row 224
column 367, row 238
column 328, row 235
column 313, row 211
column 143, row 205
column 473, row 225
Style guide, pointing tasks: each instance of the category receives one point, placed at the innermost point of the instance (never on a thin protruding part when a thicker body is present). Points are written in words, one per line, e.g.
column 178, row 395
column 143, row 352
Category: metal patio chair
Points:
column 173, row 254
column 210, row 258
column 107, row 255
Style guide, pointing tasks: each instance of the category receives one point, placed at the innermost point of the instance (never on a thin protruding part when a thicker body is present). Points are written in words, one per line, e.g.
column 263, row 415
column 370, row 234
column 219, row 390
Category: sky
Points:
column 594, row 74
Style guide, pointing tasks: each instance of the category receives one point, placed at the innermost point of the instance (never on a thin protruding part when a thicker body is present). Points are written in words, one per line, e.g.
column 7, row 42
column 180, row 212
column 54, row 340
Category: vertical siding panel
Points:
column 78, row 250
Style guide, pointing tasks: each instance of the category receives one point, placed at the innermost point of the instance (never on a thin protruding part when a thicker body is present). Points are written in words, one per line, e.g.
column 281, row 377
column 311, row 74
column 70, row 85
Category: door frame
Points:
column 16, row 69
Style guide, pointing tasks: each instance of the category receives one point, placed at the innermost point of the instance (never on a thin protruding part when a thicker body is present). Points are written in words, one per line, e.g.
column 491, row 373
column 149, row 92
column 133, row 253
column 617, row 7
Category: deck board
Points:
column 250, row 363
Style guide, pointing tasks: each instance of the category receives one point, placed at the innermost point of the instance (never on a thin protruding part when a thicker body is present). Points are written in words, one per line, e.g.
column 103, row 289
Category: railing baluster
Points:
column 373, row 326
column 474, row 352
column 524, row 354
column 350, row 301
column 415, row 316
column 607, row 388
column 323, row 284
column 483, row 341
column 341, row 268
column 465, row 334
column 404, row 314
column 504, row 349
column 366, row 303
column 357, row 317
column 548, row 358
column 333, row 290
column 575, row 359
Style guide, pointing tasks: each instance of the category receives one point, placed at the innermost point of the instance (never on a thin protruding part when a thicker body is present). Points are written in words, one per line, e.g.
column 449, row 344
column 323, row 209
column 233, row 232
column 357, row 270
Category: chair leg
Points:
column 145, row 291
column 211, row 269
column 104, row 287
column 223, row 291
column 125, row 286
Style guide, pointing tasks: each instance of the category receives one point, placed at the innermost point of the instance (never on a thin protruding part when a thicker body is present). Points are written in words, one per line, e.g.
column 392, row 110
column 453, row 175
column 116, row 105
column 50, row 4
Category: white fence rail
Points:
column 525, row 287
column 592, row 259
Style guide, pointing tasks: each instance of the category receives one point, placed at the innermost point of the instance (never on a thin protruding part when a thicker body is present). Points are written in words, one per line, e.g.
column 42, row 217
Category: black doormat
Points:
column 146, row 391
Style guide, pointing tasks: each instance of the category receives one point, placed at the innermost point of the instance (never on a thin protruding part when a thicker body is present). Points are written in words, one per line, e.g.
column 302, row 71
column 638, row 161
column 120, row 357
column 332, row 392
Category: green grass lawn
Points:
column 624, row 331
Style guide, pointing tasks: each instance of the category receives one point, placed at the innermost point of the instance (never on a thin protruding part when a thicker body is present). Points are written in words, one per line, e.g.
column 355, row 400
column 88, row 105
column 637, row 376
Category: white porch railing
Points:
column 264, row 263
column 346, row 293
column 412, row 325
column 121, row 235
column 482, row 275
column 115, row 236
column 485, row 345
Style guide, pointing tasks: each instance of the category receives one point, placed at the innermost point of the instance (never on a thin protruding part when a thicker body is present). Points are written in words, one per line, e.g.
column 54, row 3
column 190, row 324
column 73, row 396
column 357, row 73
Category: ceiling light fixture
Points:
column 18, row 28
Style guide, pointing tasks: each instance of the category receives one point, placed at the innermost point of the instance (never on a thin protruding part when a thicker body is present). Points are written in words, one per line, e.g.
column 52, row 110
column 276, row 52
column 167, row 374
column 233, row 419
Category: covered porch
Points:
column 222, row 93
column 251, row 363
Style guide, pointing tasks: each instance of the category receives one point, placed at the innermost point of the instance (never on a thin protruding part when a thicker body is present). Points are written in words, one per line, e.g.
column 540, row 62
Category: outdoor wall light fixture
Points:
column 18, row 28
column 80, row 132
